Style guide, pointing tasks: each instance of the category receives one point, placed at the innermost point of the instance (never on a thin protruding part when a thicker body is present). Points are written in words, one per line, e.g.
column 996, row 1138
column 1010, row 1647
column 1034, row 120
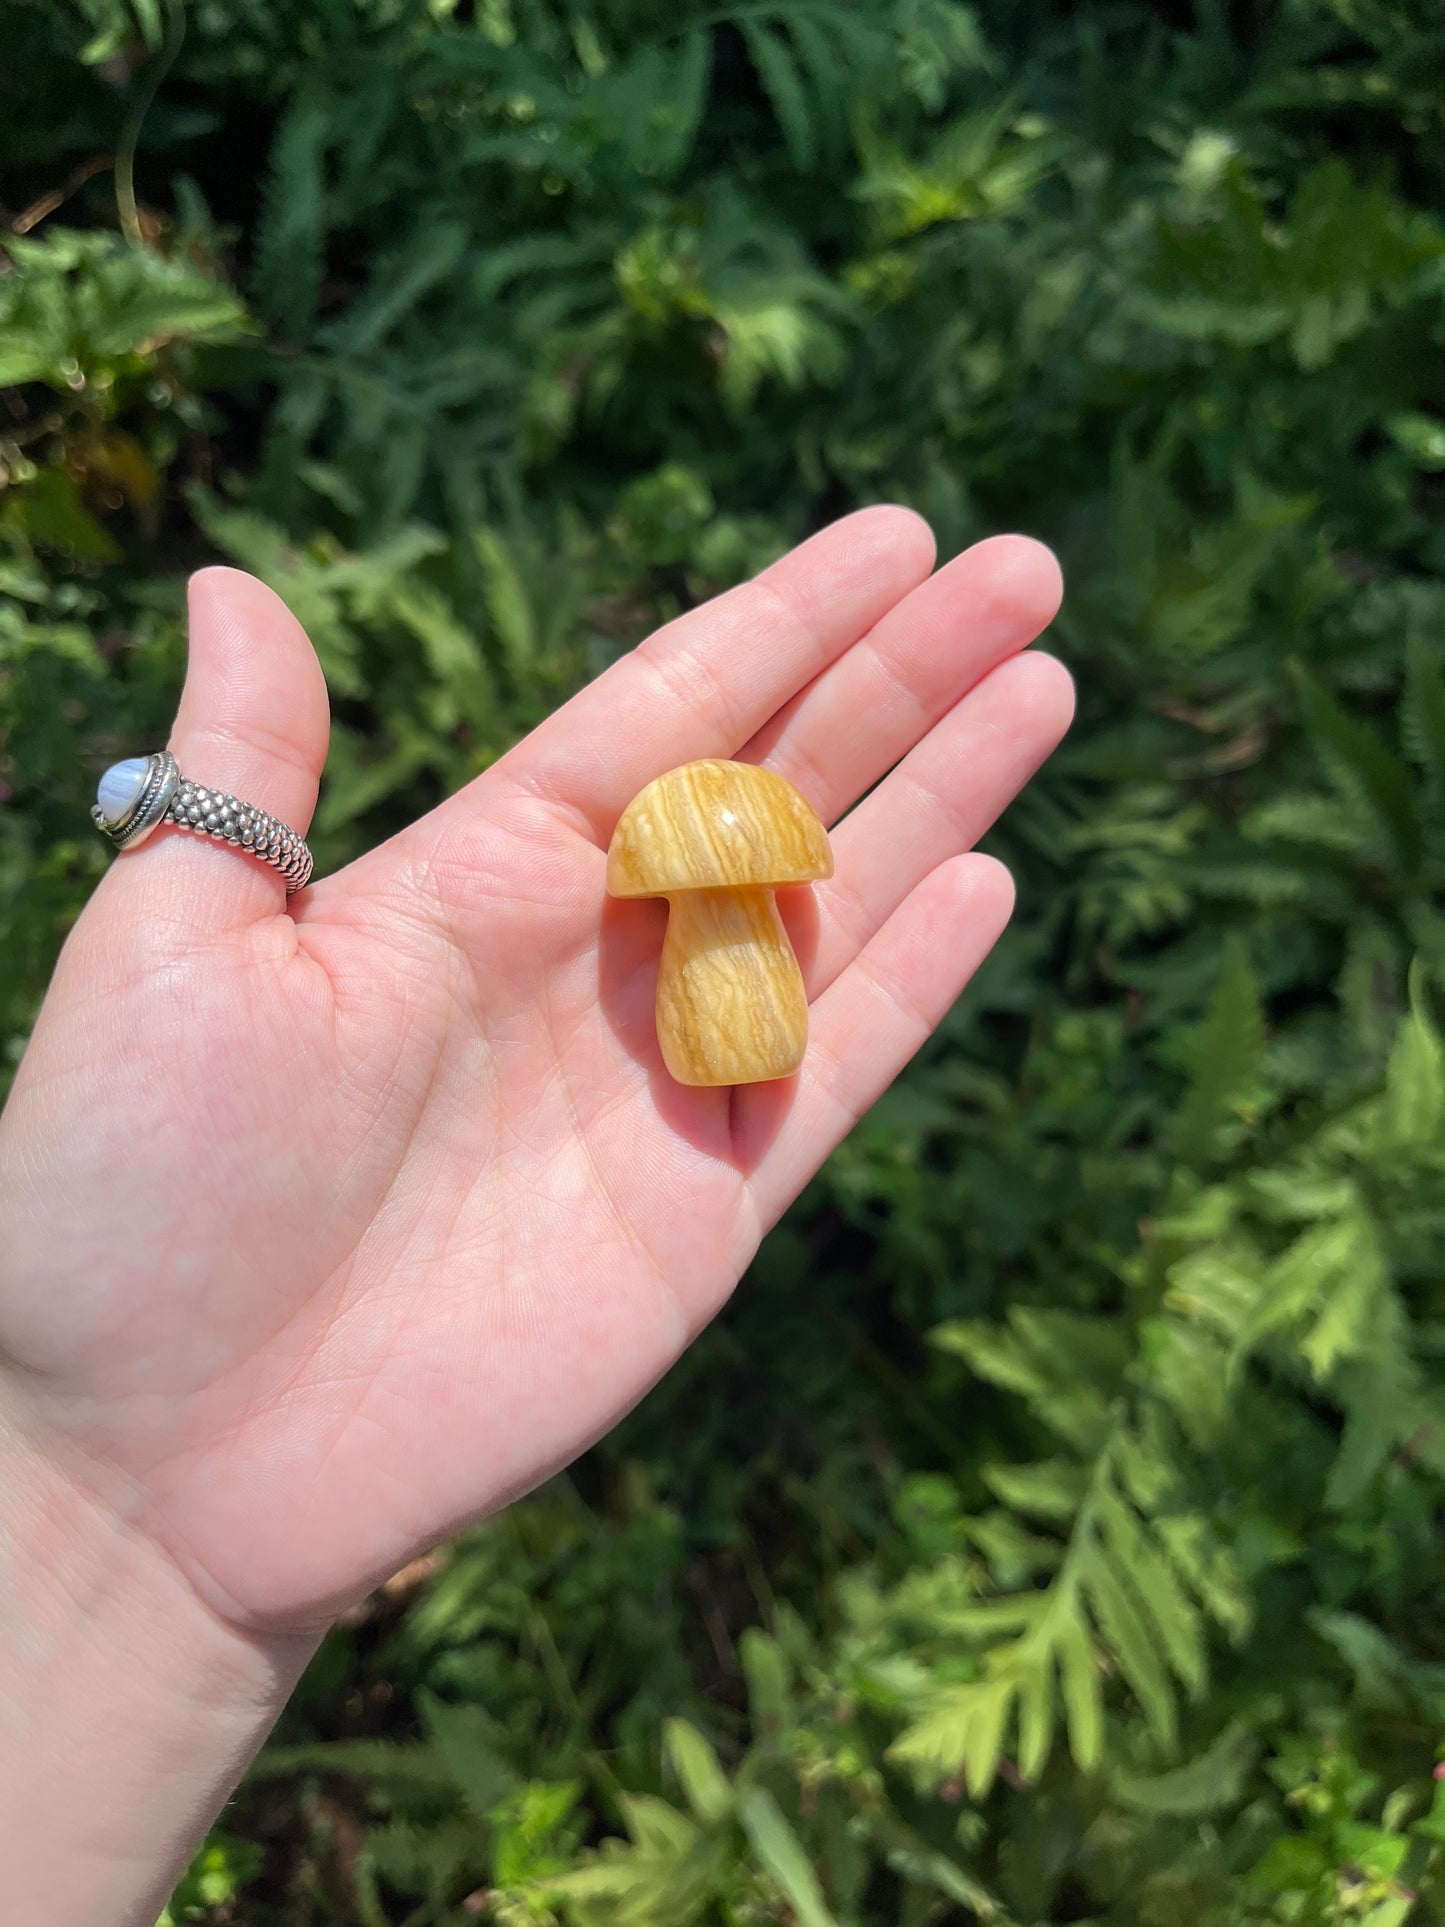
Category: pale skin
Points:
column 328, row 1227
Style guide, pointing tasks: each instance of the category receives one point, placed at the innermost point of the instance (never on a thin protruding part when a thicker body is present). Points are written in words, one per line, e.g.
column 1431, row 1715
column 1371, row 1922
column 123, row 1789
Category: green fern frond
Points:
column 388, row 1764
column 1413, row 1108
column 1422, row 717
column 1211, row 1781
column 1128, row 1641
column 1379, row 1390
column 1332, row 823
column 1050, row 1490
column 291, row 230
column 1229, row 1058
column 1173, row 1617
column 1363, row 769
column 778, row 71
column 1124, row 1601
column 1304, row 1276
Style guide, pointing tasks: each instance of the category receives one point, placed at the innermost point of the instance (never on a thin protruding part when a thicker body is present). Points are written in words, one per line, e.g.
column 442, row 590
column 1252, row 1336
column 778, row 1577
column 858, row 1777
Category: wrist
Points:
column 128, row 1709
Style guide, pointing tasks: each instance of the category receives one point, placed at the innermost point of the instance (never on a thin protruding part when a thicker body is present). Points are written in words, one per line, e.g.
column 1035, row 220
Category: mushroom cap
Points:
column 716, row 825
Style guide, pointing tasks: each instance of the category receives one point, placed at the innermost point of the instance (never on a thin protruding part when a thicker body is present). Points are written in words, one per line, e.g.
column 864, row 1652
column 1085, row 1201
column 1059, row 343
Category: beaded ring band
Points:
column 137, row 796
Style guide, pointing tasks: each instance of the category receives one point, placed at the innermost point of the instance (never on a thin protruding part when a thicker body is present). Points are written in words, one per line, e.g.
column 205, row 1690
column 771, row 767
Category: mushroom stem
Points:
column 731, row 1008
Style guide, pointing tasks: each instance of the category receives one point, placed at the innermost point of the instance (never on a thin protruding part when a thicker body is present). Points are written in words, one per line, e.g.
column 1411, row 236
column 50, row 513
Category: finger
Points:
column 253, row 722
column 938, row 802
column 704, row 684
column 840, row 734
column 872, row 1021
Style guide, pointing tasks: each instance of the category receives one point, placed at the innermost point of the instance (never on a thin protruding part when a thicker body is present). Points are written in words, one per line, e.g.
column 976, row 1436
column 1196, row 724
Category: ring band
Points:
column 138, row 796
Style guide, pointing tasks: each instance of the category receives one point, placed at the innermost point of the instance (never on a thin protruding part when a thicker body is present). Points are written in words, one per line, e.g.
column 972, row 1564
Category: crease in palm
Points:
column 412, row 1211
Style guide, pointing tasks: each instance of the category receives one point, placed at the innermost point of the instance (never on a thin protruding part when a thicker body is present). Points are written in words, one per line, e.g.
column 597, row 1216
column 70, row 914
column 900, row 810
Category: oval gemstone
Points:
column 120, row 786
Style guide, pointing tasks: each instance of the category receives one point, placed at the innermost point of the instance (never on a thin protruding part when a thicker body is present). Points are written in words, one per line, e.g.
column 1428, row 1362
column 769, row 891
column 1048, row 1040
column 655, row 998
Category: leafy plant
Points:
column 1049, row 1531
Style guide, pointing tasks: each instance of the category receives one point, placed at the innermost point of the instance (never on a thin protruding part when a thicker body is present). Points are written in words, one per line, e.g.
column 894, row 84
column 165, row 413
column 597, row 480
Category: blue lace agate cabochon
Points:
column 120, row 786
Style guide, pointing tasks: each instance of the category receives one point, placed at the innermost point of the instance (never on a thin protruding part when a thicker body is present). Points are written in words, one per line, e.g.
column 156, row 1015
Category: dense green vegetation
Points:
column 1050, row 1530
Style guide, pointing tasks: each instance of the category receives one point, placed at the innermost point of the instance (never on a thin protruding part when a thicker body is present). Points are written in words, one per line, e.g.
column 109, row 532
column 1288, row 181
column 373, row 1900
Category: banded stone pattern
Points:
column 213, row 813
column 716, row 838
column 716, row 825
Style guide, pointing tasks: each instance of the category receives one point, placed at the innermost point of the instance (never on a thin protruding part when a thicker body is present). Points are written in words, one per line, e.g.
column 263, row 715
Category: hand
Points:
column 327, row 1227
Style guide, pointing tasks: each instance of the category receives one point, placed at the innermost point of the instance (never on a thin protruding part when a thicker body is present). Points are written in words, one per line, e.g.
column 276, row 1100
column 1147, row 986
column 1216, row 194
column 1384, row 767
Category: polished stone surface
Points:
column 716, row 838
column 120, row 786
column 716, row 825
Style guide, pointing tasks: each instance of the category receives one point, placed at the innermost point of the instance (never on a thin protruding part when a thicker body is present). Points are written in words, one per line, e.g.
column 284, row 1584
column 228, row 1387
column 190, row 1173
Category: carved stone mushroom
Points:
column 716, row 839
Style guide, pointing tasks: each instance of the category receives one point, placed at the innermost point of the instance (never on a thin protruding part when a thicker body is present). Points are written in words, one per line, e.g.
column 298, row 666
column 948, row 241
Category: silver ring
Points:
column 137, row 796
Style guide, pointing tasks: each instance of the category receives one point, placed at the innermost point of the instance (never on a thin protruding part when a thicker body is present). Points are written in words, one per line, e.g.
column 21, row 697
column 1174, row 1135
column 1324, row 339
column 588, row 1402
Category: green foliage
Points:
column 215, row 1877
column 1049, row 1532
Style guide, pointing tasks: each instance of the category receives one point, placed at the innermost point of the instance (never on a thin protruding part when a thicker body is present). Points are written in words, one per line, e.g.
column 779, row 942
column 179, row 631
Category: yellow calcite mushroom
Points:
column 716, row 839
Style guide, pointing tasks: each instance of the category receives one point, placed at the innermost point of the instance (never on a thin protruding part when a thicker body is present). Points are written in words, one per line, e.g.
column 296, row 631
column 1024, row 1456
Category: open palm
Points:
column 327, row 1227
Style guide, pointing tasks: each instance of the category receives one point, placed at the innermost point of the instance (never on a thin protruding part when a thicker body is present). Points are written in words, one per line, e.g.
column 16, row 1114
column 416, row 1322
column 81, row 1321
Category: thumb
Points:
column 253, row 723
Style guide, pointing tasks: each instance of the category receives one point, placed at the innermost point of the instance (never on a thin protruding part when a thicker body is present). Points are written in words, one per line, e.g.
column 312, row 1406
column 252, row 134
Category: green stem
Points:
column 125, row 202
